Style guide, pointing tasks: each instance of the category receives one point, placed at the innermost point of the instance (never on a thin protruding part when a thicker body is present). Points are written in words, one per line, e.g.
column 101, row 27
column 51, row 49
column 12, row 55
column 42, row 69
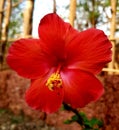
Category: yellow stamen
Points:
column 54, row 81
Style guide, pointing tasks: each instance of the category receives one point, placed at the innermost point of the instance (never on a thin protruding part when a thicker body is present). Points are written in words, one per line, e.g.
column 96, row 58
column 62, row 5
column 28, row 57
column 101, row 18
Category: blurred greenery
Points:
column 16, row 20
column 87, row 124
column 14, row 119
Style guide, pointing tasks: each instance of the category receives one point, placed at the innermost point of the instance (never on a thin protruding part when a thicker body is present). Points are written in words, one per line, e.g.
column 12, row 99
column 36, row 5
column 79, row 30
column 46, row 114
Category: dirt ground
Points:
column 16, row 115
column 10, row 121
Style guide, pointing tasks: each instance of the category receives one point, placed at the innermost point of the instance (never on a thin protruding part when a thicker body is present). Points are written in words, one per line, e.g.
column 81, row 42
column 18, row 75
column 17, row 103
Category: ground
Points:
column 16, row 115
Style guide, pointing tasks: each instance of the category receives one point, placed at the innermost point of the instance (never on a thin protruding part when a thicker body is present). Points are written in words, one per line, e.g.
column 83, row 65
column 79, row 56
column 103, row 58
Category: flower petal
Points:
column 25, row 56
column 55, row 33
column 91, row 51
column 80, row 87
column 39, row 97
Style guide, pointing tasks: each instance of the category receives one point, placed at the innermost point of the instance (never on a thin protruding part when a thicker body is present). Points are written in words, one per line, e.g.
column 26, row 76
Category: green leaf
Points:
column 75, row 118
column 95, row 121
column 67, row 121
column 83, row 115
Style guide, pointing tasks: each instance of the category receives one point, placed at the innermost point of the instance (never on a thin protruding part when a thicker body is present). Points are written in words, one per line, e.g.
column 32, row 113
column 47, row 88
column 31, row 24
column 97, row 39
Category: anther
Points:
column 54, row 81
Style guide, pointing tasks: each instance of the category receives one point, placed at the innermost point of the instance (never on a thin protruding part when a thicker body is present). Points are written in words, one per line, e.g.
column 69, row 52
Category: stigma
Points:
column 54, row 81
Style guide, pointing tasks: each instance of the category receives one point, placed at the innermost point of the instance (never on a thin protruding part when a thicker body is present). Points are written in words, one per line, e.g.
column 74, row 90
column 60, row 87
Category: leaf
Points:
column 67, row 121
column 75, row 118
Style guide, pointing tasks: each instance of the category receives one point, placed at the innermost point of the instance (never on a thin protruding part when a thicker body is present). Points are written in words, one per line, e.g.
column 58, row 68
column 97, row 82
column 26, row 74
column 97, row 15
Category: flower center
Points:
column 54, row 81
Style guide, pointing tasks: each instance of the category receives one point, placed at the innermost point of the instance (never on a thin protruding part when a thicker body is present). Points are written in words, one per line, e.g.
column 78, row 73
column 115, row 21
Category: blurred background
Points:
column 20, row 19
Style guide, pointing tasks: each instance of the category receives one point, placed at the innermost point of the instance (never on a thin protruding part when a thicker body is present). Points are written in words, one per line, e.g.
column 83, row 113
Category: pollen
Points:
column 54, row 81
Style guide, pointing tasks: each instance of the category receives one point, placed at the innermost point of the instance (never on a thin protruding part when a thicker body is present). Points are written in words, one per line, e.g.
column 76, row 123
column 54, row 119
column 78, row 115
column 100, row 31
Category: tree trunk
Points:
column 1, row 21
column 54, row 6
column 28, row 14
column 93, row 22
column 72, row 15
column 4, row 33
column 112, row 33
column 1, row 14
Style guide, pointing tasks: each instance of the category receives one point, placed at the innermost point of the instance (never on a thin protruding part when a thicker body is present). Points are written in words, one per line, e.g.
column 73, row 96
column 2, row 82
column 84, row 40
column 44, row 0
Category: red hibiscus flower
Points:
column 61, row 64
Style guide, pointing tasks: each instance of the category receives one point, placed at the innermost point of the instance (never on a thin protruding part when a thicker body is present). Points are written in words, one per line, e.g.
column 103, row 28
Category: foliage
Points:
column 88, row 124
column 82, row 119
column 16, row 20
column 14, row 119
column 92, row 13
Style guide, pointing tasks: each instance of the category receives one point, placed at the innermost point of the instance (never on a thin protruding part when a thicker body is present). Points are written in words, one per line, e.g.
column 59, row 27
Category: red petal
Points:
column 55, row 33
column 39, row 97
column 26, row 57
column 91, row 51
column 80, row 88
